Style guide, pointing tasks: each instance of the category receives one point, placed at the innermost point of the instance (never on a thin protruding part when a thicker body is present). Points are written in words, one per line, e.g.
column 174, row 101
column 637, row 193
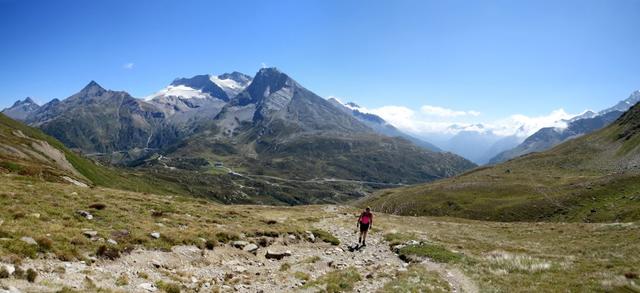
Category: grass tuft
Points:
column 434, row 252
column 337, row 281
column 326, row 236
column 31, row 275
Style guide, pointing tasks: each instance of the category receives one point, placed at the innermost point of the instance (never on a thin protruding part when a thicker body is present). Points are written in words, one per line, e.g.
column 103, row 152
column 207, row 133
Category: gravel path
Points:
column 230, row 269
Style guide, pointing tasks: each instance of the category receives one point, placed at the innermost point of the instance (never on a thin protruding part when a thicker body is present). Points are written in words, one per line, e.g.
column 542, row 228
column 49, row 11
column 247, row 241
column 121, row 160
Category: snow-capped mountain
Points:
column 201, row 96
column 378, row 124
column 582, row 124
column 223, row 87
column 21, row 109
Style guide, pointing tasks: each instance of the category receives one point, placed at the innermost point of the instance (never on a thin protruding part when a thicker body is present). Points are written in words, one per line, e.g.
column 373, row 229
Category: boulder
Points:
column 251, row 248
column 148, row 287
column 28, row 240
column 310, row 236
column 112, row 242
column 155, row 235
column 90, row 233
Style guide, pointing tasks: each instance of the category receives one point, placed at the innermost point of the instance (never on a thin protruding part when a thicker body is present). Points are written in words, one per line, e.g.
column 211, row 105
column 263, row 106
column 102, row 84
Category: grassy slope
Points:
column 56, row 206
column 498, row 257
column 530, row 257
column 98, row 175
column 592, row 178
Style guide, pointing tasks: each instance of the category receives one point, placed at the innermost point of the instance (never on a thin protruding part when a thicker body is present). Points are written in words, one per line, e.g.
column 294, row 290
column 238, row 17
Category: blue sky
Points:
column 498, row 58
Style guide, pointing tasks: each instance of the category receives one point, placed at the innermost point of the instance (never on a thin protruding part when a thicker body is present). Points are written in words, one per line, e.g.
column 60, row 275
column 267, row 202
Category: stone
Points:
column 155, row 235
column 310, row 236
column 28, row 240
column 397, row 248
column 112, row 242
column 85, row 214
column 10, row 289
column 239, row 244
column 292, row 237
column 9, row 268
column 90, row 233
column 251, row 248
column 239, row 269
column 276, row 255
column 156, row 263
column 412, row 242
column 148, row 287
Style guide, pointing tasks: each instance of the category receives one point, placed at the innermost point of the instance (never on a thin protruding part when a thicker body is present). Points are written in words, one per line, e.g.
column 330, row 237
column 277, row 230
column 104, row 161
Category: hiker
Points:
column 364, row 222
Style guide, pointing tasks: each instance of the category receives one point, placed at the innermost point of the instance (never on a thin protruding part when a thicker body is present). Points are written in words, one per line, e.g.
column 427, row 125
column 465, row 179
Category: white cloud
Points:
column 128, row 65
column 444, row 112
column 442, row 121
column 523, row 125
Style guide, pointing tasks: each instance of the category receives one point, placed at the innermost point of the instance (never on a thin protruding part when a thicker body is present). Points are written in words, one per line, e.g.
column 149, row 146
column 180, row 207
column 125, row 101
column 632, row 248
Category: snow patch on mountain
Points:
column 180, row 91
column 228, row 85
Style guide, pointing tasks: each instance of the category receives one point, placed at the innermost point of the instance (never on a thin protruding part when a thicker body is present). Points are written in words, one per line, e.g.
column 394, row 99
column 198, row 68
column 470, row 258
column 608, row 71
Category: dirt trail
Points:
column 380, row 249
column 231, row 269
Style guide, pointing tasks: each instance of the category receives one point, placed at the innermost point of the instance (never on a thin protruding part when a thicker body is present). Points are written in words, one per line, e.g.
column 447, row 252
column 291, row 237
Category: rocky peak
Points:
column 26, row 102
column 267, row 81
column 92, row 89
column 236, row 76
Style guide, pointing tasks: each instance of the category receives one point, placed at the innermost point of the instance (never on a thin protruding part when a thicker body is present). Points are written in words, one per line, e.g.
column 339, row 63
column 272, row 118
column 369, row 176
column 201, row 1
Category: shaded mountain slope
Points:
column 28, row 152
column 96, row 120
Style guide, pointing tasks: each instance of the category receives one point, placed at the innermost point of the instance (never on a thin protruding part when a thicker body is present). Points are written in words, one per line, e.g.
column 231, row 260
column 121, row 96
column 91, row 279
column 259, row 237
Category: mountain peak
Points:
column 236, row 76
column 26, row 101
column 267, row 81
column 92, row 88
column 269, row 70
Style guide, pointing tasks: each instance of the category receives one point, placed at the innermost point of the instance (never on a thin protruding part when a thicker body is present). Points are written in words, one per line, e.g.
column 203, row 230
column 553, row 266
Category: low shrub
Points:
column 108, row 252
column 4, row 273
column 31, row 275
column 44, row 244
column 285, row 267
column 168, row 287
column 211, row 243
column 226, row 237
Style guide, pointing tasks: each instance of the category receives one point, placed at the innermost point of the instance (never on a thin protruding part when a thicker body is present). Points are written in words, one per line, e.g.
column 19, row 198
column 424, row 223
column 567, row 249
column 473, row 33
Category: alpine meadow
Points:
column 210, row 146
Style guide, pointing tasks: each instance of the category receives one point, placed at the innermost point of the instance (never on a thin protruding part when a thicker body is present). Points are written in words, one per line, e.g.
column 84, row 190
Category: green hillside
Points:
column 29, row 152
column 594, row 178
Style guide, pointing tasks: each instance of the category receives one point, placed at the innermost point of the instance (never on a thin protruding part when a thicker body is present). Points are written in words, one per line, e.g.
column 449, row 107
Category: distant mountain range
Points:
column 591, row 178
column 585, row 123
column 380, row 125
column 260, row 129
